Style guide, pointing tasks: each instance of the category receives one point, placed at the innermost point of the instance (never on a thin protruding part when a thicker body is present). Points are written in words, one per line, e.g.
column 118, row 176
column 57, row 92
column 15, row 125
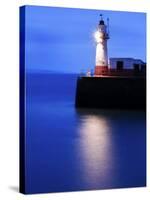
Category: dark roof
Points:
column 101, row 22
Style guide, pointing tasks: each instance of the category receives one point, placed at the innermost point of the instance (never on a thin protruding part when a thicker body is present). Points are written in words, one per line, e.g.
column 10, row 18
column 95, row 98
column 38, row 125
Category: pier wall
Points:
column 111, row 92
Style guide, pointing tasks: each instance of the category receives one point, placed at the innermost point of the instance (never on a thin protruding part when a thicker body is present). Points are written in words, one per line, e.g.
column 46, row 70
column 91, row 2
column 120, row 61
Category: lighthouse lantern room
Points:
column 101, row 37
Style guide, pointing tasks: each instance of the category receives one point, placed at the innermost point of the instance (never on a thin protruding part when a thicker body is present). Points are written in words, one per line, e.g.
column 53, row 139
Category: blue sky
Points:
column 61, row 39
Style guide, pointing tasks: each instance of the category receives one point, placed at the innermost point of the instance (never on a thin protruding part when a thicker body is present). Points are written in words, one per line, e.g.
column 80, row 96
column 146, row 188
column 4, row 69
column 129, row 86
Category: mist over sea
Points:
column 69, row 149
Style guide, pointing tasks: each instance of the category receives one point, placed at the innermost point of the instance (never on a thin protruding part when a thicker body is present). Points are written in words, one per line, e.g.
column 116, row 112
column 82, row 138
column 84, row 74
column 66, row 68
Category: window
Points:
column 119, row 65
column 136, row 67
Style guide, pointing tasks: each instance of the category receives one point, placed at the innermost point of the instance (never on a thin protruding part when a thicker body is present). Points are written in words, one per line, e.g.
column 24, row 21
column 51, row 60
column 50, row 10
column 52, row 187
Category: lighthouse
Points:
column 101, row 37
column 120, row 79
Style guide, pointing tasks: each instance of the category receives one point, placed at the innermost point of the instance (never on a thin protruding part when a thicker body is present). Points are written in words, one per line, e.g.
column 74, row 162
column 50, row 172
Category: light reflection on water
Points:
column 95, row 148
column 111, row 148
column 72, row 149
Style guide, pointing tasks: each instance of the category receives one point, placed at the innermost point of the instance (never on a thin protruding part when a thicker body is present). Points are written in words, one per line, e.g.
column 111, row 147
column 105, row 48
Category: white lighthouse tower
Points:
column 101, row 36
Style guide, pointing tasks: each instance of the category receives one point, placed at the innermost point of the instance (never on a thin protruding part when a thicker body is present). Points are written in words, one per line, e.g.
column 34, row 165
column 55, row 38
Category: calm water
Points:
column 69, row 149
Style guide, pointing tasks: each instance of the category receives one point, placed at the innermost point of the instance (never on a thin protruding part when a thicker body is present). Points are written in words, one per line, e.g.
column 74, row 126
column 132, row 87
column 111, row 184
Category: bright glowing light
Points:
column 98, row 36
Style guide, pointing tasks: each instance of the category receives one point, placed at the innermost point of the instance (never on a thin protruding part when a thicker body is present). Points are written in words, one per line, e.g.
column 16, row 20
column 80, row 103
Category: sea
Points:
column 70, row 149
